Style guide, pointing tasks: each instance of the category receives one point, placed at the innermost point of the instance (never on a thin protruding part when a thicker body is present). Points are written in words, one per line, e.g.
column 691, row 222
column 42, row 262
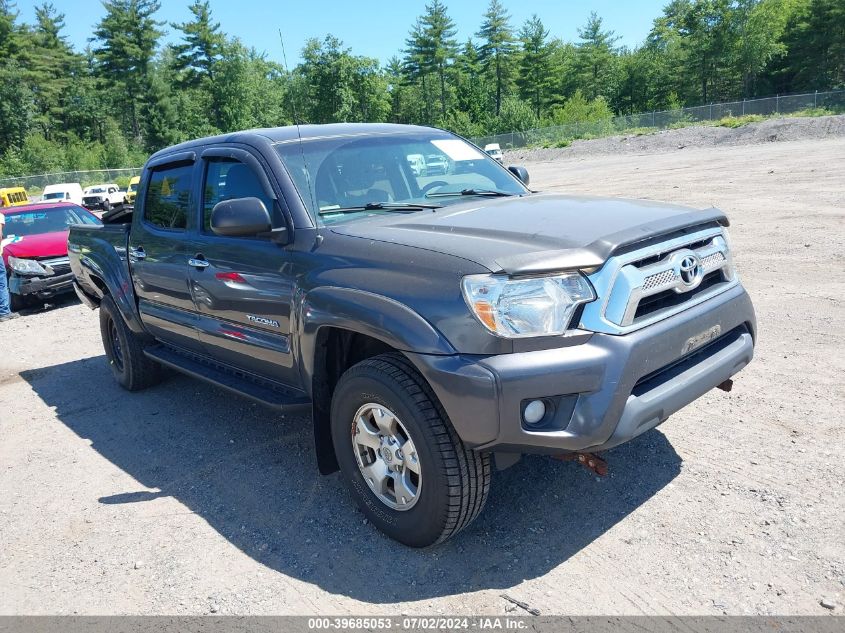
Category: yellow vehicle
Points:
column 13, row 197
column 132, row 189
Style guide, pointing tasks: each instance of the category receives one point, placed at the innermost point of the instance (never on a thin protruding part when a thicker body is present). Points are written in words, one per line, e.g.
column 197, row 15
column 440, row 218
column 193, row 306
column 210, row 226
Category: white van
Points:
column 63, row 192
column 494, row 151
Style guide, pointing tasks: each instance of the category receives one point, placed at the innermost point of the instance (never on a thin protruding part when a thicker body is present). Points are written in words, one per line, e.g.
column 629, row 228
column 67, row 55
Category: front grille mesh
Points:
column 712, row 260
column 661, row 278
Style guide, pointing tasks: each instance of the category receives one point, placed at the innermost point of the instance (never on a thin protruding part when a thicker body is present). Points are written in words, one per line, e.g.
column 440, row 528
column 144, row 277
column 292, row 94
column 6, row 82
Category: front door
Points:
column 242, row 286
column 158, row 256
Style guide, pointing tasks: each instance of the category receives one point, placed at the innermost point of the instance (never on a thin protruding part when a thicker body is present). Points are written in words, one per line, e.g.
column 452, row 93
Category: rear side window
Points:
column 168, row 198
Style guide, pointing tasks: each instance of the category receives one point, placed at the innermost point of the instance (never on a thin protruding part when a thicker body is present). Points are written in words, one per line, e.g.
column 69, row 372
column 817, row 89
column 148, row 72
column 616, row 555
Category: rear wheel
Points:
column 403, row 461
column 124, row 350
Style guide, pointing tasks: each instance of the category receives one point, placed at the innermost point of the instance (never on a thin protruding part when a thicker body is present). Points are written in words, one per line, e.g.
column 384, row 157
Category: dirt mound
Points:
column 768, row 131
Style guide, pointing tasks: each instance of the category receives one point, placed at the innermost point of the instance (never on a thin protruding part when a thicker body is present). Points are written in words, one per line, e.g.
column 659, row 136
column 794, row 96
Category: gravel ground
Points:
column 184, row 500
column 769, row 131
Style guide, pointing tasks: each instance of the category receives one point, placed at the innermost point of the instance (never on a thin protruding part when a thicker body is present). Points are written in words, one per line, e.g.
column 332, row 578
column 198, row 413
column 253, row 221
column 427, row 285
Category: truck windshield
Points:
column 47, row 221
column 345, row 178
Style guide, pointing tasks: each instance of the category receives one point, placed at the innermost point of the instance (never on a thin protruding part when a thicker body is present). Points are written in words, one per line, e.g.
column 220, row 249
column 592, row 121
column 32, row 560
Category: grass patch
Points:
column 738, row 121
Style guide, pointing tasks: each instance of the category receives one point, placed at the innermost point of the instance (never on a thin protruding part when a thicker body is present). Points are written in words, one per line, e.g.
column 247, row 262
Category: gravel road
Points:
column 185, row 500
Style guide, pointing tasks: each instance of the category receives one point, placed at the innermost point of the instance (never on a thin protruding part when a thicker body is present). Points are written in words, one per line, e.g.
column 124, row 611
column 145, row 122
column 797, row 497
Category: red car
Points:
column 35, row 250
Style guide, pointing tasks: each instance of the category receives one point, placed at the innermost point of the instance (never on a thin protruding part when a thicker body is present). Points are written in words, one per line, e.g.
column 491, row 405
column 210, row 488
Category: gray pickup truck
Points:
column 430, row 324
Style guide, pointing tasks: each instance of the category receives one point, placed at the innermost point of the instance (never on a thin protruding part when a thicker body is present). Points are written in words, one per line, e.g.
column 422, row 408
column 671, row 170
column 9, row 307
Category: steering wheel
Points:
column 432, row 185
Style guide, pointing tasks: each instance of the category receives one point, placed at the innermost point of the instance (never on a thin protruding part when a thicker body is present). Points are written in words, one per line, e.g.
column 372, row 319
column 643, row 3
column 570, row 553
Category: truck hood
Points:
column 41, row 245
column 533, row 233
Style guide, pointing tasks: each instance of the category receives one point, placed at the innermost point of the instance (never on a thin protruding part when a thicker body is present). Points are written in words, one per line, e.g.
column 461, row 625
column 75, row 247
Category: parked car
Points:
column 102, row 197
column 436, row 165
column 35, row 249
column 132, row 190
column 62, row 192
column 431, row 327
column 417, row 163
column 13, row 197
column 494, row 151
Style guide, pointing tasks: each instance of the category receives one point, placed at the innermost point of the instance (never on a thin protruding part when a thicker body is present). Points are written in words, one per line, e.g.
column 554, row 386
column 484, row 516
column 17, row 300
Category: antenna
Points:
column 298, row 131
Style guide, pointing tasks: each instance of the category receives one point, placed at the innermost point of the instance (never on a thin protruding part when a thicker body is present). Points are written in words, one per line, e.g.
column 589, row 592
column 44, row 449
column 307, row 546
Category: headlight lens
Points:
column 27, row 266
column 539, row 306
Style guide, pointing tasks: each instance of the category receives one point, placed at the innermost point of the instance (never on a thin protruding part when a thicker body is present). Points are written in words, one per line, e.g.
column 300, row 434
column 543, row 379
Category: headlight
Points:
column 539, row 306
column 27, row 267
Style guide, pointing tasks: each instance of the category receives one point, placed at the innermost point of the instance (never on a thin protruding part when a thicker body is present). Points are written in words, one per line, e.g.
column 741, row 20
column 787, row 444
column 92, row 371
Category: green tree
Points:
column 10, row 32
column 17, row 106
column 498, row 46
column 202, row 46
column 595, row 57
column 51, row 69
column 814, row 39
column 535, row 64
column 516, row 116
column 432, row 48
column 127, row 38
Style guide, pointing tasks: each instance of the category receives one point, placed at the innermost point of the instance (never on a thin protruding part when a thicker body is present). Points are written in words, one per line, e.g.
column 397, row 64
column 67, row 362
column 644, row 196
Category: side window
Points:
column 167, row 202
column 227, row 179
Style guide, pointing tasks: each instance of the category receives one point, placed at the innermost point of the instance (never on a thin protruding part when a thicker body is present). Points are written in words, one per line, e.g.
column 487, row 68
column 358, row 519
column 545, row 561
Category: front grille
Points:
column 639, row 287
column 60, row 265
column 91, row 201
column 669, row 299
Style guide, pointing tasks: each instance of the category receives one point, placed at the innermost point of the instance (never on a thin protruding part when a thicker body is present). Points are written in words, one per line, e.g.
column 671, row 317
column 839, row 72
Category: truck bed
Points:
column 98, row 256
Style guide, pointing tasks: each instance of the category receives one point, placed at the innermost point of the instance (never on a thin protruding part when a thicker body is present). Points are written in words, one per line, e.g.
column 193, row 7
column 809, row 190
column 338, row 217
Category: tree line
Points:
column 128, row 94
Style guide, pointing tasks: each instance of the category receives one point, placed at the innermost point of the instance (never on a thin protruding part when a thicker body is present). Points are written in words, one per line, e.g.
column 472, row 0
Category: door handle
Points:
column 137, row 253
column 198, row 262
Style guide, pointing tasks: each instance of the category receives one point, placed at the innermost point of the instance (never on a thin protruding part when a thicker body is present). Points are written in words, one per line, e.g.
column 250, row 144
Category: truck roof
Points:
column 306, row 132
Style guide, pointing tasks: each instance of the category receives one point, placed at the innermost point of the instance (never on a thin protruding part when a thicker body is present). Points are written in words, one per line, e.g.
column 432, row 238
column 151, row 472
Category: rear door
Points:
column 158, row 252
column 242, row 285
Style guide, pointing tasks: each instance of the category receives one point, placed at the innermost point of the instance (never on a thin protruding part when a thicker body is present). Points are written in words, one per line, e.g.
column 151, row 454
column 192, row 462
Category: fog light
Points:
column 534, row 412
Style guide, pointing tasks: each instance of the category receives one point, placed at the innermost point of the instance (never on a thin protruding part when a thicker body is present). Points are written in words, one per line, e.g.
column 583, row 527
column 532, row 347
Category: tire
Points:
column 124, row 351
column 452, row 482
column 106, row 206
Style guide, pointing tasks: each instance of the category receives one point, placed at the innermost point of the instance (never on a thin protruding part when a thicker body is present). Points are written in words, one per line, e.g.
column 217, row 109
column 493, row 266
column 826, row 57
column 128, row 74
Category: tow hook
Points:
column 726, row 386
column 587, row 460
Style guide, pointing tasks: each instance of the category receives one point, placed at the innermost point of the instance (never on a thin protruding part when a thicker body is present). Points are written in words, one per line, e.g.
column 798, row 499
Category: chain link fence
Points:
column 770, row 106
column 84, row 178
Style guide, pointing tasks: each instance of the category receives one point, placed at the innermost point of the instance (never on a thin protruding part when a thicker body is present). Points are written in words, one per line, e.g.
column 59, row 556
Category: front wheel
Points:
column 403, row 461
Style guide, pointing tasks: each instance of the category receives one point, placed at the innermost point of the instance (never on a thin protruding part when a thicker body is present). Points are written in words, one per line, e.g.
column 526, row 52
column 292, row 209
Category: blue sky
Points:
column 375, row 28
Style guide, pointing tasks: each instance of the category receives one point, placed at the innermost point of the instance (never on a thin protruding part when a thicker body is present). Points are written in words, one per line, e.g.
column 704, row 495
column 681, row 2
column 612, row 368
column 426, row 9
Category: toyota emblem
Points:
column 689, row 270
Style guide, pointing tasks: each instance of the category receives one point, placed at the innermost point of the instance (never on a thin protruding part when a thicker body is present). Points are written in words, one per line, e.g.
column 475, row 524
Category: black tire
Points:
column 455, row 480
column 124, row 350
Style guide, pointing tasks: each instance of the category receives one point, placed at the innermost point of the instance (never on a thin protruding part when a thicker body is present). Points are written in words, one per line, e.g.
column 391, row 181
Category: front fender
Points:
column 374, row 315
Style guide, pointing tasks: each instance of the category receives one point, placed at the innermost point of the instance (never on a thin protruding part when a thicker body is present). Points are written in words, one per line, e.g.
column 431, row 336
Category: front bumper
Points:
column 94, row 205
column 42, row 287
column 621, row 386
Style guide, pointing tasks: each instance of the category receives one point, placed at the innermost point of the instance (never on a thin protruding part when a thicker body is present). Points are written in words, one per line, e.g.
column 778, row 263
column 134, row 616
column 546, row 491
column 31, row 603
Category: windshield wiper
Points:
column 470, row 192
column 381, row 206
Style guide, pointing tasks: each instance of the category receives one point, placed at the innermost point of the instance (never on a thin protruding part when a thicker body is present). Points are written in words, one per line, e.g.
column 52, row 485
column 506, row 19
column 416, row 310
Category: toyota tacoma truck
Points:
column 433, row 326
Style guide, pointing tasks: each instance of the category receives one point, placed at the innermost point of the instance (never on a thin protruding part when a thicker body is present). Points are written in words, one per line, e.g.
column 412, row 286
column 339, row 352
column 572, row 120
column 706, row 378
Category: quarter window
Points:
column 169, row 197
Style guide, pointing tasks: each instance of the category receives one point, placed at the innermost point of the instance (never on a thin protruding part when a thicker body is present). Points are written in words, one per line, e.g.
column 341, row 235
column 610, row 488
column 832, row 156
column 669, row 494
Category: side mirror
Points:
column 520, row 172
column 240, row 217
